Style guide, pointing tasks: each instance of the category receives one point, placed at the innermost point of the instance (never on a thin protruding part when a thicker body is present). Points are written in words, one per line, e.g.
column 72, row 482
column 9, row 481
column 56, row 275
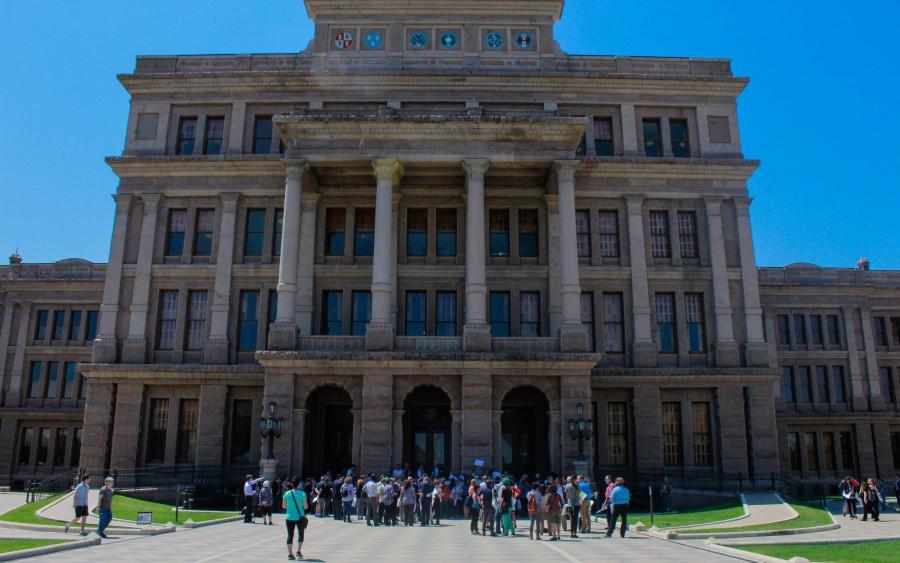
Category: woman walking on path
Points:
column 473, row 503
column 104, row 506
column 294, row 503
column 265, row 502
column 870, row 500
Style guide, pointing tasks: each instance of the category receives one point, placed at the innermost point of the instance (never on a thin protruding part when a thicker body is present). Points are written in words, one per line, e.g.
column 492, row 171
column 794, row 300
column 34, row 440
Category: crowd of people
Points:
column 870, row 493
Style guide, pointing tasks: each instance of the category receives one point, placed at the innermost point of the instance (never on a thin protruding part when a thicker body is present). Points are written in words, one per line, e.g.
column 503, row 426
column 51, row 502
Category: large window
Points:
column 800, row 330
column 197, row 301
column 687, row 234
column 659, row 234
column 332, row 314
column 793, row 440
column 881, row 338
column 672, row 433
column 34, row 382
column 248, row 320
column 609, row 233
column 587, row 316
column 168, row 317
column 834, row 330
column 43, row 448
column 335, row 224
column 815, row 330
column 804, row 384
column 665, row 322
column 822, row 387
column 446, row 231
column 828, row 451
column 75, row 325
column 364, row 232
column 187, row 135
column 847, row 457
column 678, row 131
column 812, row 451
column 603, row 136
column 529, row 313
column 262, row 134
column 784, row 330
column 59, row 325
column 51, row 391
column 617, row 421
column 613, row 323
column 787, row 384
column 203, row 234
column 215, row 130
column 59, row 447
column 90, row 329
column 254, row 236
column 499, row 313
column 693, row 314
column 416, row 232
column 887, row 385
column 702, row 434
column 40, row 325
column 652, row 144
column 156, row 430
column 277, row 232
column 837, row 379
column 175, row 235
column 76, row 448
column 241, row 429
column 415, row 313
column 187, row 431
column 499, row 232
column 361, row 312
column 25, row 442
column 583, row 232
column 528, row 233
column 68, row 391
column 445, row 313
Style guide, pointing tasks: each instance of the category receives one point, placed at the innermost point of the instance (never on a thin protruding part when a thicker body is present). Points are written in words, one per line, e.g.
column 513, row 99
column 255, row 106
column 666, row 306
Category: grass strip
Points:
column 724, row 511
column 127, row 508
column 8, row 546
column 808, row 517
column 851, row 552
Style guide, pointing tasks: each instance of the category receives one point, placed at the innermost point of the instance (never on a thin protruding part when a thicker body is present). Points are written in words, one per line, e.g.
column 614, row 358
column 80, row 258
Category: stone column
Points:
column 732, row 429
column 475, row 427
column 380, row 331
column 497, row 439
column 104, row 351
column 757, row 353
column 859, row 395
column 872, row 372
column 644, row 350
column 135, row 349
column 397, row 436
column 14, row 395
column 216, row 350
column 476, row 331
column 554, row 441
column 279, row 389
column 377, row 420
column 648, row 427
column 306, row 264
column 726, row 348
column 5, row 330
column 572, row 332
column 298, row 446
column 554, row 307
column 98, row 411
column 356, row 441
column 455, row 440
column 764, row 429
column 283, row 333
column 395, row 222
column 127, row 425
column 211, row 424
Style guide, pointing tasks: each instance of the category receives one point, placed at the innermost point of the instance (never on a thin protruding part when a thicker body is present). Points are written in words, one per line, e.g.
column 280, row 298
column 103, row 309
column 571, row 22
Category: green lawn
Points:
column 7, row 546
column 723, row 511
column 127, row 508
column 808, row 517
column 27, row 513
column 860, row 552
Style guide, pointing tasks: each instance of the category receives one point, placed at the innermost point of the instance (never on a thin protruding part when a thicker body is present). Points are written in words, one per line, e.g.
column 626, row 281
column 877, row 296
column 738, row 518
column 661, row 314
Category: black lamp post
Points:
column 580, row 429
column 270, row 427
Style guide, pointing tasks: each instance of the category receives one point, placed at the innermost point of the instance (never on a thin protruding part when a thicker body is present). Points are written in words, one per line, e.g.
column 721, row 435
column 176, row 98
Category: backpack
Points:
column 532, row 505
column 554, row 503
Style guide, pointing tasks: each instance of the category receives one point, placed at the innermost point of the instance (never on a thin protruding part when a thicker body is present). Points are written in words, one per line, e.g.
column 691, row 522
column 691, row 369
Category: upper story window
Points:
column 360, row 313
column 248, row 320
column 168, row 316
column 415, row 313
column 823, row 392
column 815, row 330
column 40, row 325
column 276, row 232
column 528, row 233
column 51, row 391
column 446, row 231
column 603, row 136
column 587, row 317
column 34, row 383
column 834, row 330
column 881, row 338
column 837, row 377
column 445, row 313
column 203, row 234
column 805, row 384
column 416, row 232
column 68, row 391
column 332, row 312
column 156, row 431
column 895, row 330
column 672, row 444
column 693, row 316
column 687, row 234
column 529, row 313
column 364, row 232
column 262, row 134
column 335, row 223
column 583, row 232
column 678, row 131
column 665, row 322
column 75, row 325
column 888, row 392
column 175, row 234
column 652, row 144
column 800, row 330
column 197, row 301
column 90, row 327
column 499, row 232
column 215, row 129
column 59, row 325
column 787, row 384
column 499, row 309
column 609, row 233
column 659, row 234
column 702, row 433
column 784, row 330
column 187, row 135
column 186, row 444
column 255, row 233
column 613, row 323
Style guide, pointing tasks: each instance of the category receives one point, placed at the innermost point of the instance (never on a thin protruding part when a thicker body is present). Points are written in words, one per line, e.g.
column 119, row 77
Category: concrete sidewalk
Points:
column 764, row 508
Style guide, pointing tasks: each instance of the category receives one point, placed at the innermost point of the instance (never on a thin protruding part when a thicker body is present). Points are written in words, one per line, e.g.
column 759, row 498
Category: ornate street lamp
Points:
column 270, row 427
column 580, row 429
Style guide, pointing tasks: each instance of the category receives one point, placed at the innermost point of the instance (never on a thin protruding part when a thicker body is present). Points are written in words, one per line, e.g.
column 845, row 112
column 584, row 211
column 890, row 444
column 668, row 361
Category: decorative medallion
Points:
column 524, row 40
column 418, row 40
column 343, row 40
column 448, row 40
column 373, row 40
column 493, row 40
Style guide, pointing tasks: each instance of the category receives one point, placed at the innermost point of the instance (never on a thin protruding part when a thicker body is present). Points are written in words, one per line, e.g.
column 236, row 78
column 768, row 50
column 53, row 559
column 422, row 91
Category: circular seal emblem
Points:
column 524, row 40
column 418, row 40
column 343, row 40
column 494, row 40
column 373, row 40
column 448, row 40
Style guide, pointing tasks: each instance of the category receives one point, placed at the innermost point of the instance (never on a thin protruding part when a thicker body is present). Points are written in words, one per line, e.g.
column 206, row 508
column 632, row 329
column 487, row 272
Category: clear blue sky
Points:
column 821, row 111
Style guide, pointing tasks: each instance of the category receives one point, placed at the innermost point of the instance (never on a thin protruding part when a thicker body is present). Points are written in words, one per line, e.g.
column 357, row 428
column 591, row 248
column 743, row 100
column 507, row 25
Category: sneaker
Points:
column 291, row 557
column 66, row 531
column 83, row 533
column 299, row 555
column 104, row 536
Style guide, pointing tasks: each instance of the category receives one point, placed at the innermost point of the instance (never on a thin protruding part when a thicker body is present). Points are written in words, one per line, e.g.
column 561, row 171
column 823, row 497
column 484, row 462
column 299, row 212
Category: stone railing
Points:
column 428, row 344
column 333, row 343
column 534, row 345
column 812, row 275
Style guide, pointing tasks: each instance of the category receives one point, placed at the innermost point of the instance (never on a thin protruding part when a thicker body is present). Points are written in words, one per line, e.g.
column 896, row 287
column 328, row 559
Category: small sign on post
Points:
column 144, row 518
column 479, row 463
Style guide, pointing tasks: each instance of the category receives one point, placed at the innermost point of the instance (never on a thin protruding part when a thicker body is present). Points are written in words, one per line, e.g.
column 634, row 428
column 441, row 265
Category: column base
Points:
column 644, row 354
column 379, row 337
column 477, row 338
column 581, row 468
column 757, row 354
column 104, row 351
column 216, row 351
column 727, row 355
column 268, row 467
column 573, row 338
column 282, row 336
column 134, row 351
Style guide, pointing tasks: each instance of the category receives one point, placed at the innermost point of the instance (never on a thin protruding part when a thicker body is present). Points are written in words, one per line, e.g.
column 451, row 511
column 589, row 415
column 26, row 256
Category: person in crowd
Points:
column 386, row 494
column 372, row 502
column 437, row 499
column 360, row 499
column 848, row 489
column 295, row 505
column 507, row 498
column 607, row 507
column 553, row 506
column 573, row 505
column 348, row 497
column 336, row 501
column 882, row 495
column 249, row 496
column 266, row 497
column 473, row 501
column 104, row 507
column 586, row 495
column 486, row 490
column 534, row 499
column 408, row 501
column 80, row 503
column 870, row 500
column 426, row 496
column 618, row 500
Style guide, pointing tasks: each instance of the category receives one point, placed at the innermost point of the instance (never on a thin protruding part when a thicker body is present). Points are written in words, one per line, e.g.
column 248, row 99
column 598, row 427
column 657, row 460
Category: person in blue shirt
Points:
column 618, row 504
column 80, row 503
column 294, row 503
column 585, row 488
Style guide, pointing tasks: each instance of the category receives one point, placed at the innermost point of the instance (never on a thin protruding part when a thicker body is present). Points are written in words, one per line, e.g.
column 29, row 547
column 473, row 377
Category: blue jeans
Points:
column 105, row 518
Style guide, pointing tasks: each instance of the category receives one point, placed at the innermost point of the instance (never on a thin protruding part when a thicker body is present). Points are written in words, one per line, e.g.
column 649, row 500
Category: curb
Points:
column 190, row 524
column 48, row 549
column 59, row 529
column 757, row 534
column 747, row 555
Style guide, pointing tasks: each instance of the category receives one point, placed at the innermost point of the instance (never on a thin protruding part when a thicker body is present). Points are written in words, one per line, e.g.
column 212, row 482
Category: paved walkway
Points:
column 764, row 508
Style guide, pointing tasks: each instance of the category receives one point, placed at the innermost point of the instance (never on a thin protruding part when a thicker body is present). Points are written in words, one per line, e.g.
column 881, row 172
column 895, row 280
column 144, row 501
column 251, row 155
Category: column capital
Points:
column 476, row 166
column 566, row 168
column 743, row 205
column 229, row 200
column 310, row 200
column 713, row 205
column 552, row 200
column 294, row 167
column 388, row 169
column 122, row 200
column 151, row 199
column 634, row 201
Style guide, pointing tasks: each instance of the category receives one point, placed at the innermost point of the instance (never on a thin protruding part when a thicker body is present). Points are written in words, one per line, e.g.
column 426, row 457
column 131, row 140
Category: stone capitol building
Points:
column 432, row 237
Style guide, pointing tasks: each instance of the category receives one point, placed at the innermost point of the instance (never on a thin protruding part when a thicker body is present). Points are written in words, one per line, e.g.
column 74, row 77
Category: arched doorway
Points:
column 329, row 431
column 426, row 429
column 524, row 427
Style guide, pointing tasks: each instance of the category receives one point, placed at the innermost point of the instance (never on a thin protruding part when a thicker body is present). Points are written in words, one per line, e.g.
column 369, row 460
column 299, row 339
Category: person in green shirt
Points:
column 295, row 505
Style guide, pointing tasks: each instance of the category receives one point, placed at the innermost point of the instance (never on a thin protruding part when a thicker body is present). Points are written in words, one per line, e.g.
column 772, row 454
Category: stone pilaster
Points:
column 377, row 421
column 865, row 449
column 211, row 424
column 279, row 389
column 497, row 439
column 283, row 333
column 872, row 374
column 475, row 426
column 732, row 429
column 554, row 442
column 573, row 335
column 860, row 395
column 756, row 350
column 380, row 331
column 884, row 464
column 455, row 440
column 306, row 264
column 216, row 350
column 476, row 331
column 629, row 130
column 105, row 349
column 644, row 349
column 647, row 427
column 5, row 332
column 8, row 430
column 135, row 349
column 554, row 307
column 98, row 412
column 764, row 430
column 236, row 128
column 298, row 441
column 127, row 425
column 14, row 395
column 726, row 350
column 397, row 437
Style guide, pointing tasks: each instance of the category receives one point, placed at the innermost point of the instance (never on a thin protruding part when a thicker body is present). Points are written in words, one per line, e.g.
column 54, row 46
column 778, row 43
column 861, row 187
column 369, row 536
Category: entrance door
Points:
column 427, row 429
column 329, row 432
column 524, row 432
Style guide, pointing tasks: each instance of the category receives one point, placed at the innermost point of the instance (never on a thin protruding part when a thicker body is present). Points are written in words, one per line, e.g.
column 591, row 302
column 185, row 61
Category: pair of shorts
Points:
column 554, row 518
column 81, row 511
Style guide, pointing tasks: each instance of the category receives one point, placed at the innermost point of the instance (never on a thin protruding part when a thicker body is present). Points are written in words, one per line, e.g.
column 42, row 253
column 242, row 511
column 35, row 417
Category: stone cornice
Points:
column 681, row 168
column 247, row 374
column 219, row 165
column 390, row 9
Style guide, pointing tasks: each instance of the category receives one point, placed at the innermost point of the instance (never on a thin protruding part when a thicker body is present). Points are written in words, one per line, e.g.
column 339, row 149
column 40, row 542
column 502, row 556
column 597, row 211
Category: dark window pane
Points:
column 361, row 312
column 694, row 317
column 203, row 234
column 69, row 381
column 59, row 325
column 156, row 430
column 815, row 329
column 256, row 228
column 76, row 448
column 652, row 145
column 659, row 234
column 52, row 389
column 187, row 135
column 25, row 444
column 784, row 330
column 687, row 234
column 499, row 314
column 215, row 128
column 834, row 330
column 90, row 331
column 445, row 313
column 446, row 232
column 881, row 338
column 499, row 232
column 75, row 325
column 665, row 322
column 262, row 134
column 529, row 314
column 672, row 444
column 335, row 224
column 197, row 307
column 43, row 449
column 679, row 134
column 528, row 233
column 34, row 383
column 175, row 236
column 804, row 383
column 603, row 136
column 40, row 325
column 415, row 313
column 583, row 232
column 822, row 392
column 168, row 315
column 332, row 315
column 186, row 446
column 613, row 323
column 59, row 447
column 241, row 430
column 248, row 323
column 787, row 384
column 800, row 329
column 887, row 386
column 364, row 232
column 609, row 234
column 837, row 377
column 793, row 439
column 416, row 232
